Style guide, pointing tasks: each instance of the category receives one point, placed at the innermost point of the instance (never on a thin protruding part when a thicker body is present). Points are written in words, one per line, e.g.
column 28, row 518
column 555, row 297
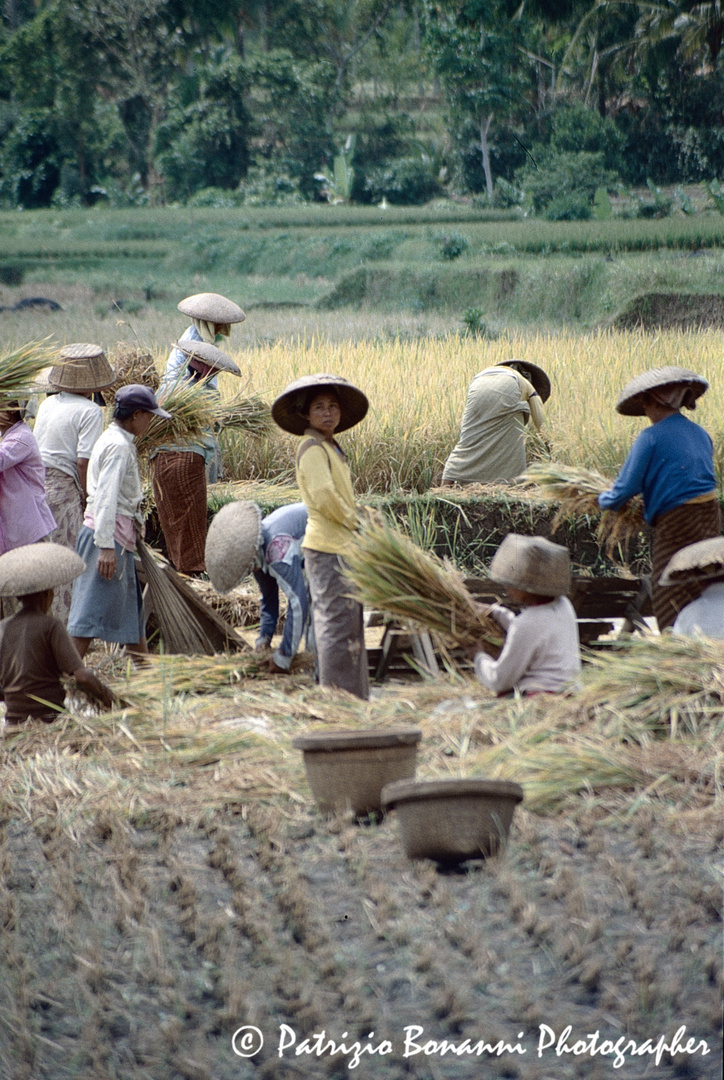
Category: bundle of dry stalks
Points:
column 131, row 364
column 240, row 607
column 181, row 630
column 20, row 368
column 192, row 413
column 250, row 415
column 576, row 491
column 395, row 575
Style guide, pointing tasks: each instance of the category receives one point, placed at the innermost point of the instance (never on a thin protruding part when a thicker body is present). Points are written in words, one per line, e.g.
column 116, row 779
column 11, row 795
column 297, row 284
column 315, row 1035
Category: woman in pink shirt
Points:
column 25, row 516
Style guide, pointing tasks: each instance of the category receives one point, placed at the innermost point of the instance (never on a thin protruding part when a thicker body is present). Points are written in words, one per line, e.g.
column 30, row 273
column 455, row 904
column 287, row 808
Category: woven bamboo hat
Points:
column 212, row 307
column 36, row 567
column 289, row 409
column 533, row 564
column 233, row 544
column 82, row 366
column 534, row 374
column 696, row 562
column 209, row 355
column 630, row 400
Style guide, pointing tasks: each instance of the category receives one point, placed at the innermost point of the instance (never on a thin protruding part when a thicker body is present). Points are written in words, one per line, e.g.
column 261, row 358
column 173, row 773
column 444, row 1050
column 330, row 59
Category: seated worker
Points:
column 541, row 652
column 240, row 541
column 703, row 564
column 35, row 647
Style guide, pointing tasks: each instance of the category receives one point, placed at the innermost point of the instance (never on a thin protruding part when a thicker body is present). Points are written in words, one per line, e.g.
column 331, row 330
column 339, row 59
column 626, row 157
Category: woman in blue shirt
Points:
column 671, row 465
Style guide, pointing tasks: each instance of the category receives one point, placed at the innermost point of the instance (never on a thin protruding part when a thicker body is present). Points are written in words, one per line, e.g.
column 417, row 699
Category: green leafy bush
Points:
column 560, row 175
column 404, row 182
column 451, row 245
column 573, row 206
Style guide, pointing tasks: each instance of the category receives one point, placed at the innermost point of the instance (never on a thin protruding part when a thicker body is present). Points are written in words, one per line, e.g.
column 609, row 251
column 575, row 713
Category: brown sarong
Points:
column 66, row 500
column 673, row 531
column 338, row 626
column 179, row 487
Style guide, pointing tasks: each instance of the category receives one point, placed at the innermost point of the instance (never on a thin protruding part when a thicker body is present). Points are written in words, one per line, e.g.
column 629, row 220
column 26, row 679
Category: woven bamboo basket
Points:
column 348, row 769
column 453, row 820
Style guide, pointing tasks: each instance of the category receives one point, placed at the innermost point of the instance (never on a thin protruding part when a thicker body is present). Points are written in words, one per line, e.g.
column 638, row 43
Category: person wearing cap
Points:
column 35, row 647
column 491, row 446
column 541, row 653
column 106, row 600
column 239, row 541
column 317, row 407
column 212, row 316
column 702, row 563
column 67, row 426
column 671, row 464
column 179, row 470
column 25, row 516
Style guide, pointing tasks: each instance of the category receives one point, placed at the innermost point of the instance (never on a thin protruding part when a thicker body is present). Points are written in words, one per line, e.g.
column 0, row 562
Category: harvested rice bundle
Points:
column 576, row 491
column 131, row 364
column 252, row 415
column 20, row 368
column 395, row 575
column 192, row 411
column 240, row 607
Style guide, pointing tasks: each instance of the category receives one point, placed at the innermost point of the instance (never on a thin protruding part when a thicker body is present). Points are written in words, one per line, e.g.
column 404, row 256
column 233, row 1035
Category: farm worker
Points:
column 318, row 407
column 491, row 446
column 212, row 316
column 179, row 470
column 106, row 600
column 67, row 427
column 240, row 540
column 671, row 464
column 35, row 648
column 25, row 516
column 702, row 563
column 541, row 653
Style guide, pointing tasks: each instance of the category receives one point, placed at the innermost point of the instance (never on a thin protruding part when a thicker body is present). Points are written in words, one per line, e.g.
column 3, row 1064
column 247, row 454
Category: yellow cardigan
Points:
column 324, row 479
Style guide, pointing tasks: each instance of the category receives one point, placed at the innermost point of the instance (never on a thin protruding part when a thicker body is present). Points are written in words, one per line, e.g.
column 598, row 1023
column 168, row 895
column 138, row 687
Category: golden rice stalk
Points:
column 395, row 575
column 192, row 414
column 576, row 491
column 131, row 364
column 250, row 414
column 20, row 368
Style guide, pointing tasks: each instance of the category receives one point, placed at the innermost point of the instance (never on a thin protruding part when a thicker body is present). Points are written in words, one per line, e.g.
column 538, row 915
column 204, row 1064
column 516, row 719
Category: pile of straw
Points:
column 251, row 415
column 131, row 364
column 20, row 368
column 576, row 491
column 396, row 576
column 240, row 607
column 192, row 413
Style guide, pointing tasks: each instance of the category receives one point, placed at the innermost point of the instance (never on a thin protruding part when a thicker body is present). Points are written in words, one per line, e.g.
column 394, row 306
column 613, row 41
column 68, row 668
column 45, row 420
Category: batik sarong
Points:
column 179, row 487
column 673, row 531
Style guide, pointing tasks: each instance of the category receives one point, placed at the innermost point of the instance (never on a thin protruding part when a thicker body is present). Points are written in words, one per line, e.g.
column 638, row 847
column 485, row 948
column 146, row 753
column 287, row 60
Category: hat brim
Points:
column 540, row 381
column 233, row 544
column 212, row 307
column 632, row 398
column 34, row 568
column 213, row 357
column 287, row 410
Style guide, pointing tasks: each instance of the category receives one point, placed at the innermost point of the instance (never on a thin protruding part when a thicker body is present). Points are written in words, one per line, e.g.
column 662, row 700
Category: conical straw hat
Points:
column 533, row 564
column 36, row 567
column 696, row 562
column 233, row 544
column 287, row 410
column 630, row 400
column 212, row 307
column 209, row 355
column 83, row 367
column 539, row 379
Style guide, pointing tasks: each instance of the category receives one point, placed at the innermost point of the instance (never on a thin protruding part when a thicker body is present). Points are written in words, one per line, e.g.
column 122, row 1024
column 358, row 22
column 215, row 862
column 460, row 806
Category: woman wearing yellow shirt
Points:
column 318, row 407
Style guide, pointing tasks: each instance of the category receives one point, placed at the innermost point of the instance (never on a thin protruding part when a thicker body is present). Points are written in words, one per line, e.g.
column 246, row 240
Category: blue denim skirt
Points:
column 110, row 610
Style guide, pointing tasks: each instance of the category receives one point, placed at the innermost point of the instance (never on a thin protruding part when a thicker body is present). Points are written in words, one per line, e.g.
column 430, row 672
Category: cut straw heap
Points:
column 576, row 491
column 393, row 574
column 251, row 415
column 192, row 413
column 20, row 368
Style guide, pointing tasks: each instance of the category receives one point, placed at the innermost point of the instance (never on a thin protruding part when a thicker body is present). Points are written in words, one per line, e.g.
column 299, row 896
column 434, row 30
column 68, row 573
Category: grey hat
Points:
column 212, row 307
column 535, row 375
column 37, row 567
column 533, row 564
column 138, row 396
column 695, row 562
column 630, row 400
column 208, row 354
column 289, row 408
column 82, row 367
column 233, row 544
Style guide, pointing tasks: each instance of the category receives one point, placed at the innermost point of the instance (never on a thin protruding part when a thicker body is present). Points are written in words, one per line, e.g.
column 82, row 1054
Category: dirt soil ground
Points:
column 136, row 952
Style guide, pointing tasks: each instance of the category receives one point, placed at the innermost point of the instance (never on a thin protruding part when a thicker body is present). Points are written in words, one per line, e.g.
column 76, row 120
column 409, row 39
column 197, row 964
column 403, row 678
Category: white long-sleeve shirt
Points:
column 114, row 483
column 541, row 650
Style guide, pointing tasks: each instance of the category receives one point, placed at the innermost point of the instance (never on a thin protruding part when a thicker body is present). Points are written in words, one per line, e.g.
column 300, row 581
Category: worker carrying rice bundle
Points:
column 541, row 652
column 241, row 541
column 491, row 446
column 318, row 407
column 703, row 564
column 35, row 648
column 672, row 465
column 106, row 601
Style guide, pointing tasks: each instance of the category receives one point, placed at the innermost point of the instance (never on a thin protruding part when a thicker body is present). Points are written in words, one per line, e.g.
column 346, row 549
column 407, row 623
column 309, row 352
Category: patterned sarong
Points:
column 674, row 530
column 179, row 487
column 66, row 501
column 338, row 625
